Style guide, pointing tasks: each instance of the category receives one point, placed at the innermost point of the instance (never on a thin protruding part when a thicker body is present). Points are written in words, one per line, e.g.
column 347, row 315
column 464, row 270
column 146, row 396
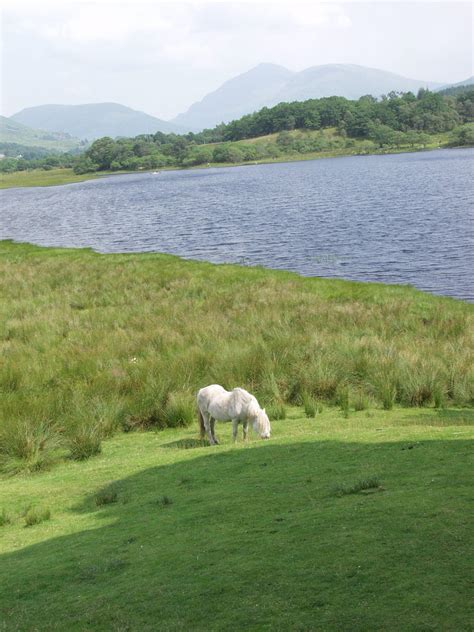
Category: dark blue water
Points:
column 403, row 218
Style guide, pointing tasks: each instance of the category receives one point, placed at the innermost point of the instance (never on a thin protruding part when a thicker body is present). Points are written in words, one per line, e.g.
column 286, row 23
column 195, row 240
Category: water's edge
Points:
column 397, row 219
column 220, row 165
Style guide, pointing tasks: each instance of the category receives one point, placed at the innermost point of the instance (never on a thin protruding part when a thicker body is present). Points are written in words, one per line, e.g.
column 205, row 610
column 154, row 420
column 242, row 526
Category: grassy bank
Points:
column 334, row 524
column 91, row 344
column 41, row 178
column 38, row 177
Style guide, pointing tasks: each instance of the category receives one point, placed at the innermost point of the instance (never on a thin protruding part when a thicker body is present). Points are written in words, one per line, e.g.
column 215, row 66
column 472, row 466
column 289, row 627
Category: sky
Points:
column 160, row 57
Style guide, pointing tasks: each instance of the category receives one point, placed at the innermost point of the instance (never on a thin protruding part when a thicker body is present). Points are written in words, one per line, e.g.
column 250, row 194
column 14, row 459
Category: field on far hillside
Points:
column 354, row 524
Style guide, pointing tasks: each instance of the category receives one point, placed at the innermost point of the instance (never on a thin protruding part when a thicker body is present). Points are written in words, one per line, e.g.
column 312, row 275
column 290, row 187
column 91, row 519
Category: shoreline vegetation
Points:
column 55, row 177
column 96, row 344
column 306, row 130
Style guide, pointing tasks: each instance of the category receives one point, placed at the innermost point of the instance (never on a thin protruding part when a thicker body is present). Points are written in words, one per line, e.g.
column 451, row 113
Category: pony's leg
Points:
column 207, row 426
column 235, row 427
column 245, row 428
column 213, row 422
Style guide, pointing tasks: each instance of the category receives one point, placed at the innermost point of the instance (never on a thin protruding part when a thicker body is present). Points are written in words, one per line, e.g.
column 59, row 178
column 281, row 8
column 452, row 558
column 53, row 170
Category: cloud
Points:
column 178, row 27
column 162, row 56
column 141, row 34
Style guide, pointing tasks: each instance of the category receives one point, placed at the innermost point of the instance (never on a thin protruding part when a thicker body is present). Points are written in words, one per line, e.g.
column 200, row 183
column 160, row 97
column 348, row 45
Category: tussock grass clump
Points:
column 4, row 518
column 276, row 411
column 366, row 484
column 361, row 401
column 27, row 446
column 106, row 497
column 85, row 441
column 417, row 388
column 269, row 389
column 10, row 379
column 134, row 355
column 310, row 405
column 343, row 399
column 439, row 396
column 36, row 515
column 164, row 501
column 387, row 392
column 180, row 411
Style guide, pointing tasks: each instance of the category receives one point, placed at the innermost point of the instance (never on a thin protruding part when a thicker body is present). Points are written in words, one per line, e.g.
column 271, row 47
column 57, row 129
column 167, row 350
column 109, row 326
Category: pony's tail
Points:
column 202, row 429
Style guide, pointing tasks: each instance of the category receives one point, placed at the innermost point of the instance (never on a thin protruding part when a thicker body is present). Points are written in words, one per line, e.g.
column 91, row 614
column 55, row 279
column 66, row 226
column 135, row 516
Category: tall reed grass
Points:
column 93, row 343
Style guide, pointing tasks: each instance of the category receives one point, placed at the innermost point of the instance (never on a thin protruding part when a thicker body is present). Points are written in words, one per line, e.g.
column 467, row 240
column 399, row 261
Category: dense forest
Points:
column 396, row 120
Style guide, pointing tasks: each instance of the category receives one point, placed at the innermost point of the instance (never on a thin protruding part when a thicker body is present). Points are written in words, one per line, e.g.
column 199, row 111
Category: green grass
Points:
column 355, row 519
column 251, row 537
column 94, row 344
column 41, row 178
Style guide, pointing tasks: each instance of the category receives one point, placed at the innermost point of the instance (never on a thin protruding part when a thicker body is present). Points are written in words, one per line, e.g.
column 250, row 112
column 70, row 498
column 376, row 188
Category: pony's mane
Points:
column 254, row 408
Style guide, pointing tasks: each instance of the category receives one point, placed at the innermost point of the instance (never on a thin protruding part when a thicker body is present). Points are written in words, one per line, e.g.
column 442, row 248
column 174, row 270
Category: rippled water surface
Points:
column 403, row 218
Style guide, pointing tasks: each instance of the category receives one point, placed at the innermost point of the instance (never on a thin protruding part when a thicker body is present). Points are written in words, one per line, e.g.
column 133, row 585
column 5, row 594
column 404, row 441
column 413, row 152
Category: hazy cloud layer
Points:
column 160, row 57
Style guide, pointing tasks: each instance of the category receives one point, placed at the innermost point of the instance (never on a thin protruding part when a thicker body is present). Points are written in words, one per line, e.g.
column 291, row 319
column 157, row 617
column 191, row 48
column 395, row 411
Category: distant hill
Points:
column 268, row 84
column 12, row 131
column 456, row 88
column 93, row 120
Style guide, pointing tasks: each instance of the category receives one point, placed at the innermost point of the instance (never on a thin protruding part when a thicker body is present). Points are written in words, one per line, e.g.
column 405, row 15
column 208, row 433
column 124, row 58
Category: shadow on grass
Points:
column 254, row 541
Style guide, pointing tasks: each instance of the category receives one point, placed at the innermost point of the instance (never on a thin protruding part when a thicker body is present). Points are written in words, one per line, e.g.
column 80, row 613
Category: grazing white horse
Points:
column 214, row 402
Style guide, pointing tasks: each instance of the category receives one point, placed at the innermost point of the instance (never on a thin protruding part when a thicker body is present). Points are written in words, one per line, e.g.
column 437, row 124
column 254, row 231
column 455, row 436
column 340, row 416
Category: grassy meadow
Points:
column 115, row 516
column 336, row 523
column 92, row 344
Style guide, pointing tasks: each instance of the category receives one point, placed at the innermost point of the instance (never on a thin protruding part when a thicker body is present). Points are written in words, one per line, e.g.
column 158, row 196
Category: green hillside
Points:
column 13, row 132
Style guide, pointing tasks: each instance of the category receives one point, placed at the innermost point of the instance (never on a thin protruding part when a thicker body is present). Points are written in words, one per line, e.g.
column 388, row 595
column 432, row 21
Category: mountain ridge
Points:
column 346, row 80
column 263, row 85
column 93, row 120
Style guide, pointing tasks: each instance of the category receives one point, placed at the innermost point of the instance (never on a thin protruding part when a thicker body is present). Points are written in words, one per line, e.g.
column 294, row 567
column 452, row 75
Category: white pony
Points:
column 214, row 402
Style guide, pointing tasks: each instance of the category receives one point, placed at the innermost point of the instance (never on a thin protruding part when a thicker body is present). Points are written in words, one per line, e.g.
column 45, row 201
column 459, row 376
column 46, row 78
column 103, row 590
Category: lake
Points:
column 403, row 218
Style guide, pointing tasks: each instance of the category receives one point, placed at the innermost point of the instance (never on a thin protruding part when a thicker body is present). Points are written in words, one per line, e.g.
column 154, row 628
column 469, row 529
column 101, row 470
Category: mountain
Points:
column 93, row 120
column 346, row 80
column 243, row 94
column 268, row 84
column 12, row 131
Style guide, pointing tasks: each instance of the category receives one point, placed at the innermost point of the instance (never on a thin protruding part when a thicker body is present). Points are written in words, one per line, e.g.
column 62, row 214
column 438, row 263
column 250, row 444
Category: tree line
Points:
column 395, row 120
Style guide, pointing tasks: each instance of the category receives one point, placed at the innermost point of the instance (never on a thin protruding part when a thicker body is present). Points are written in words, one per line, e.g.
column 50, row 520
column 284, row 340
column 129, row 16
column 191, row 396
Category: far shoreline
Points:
column 58, row 177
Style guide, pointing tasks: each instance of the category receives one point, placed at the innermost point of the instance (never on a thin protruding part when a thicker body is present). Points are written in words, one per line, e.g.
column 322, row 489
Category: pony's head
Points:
column 261, row 424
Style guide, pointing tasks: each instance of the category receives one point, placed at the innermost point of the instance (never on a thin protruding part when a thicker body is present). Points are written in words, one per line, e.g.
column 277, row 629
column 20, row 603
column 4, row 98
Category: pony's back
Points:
column 245, row 401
